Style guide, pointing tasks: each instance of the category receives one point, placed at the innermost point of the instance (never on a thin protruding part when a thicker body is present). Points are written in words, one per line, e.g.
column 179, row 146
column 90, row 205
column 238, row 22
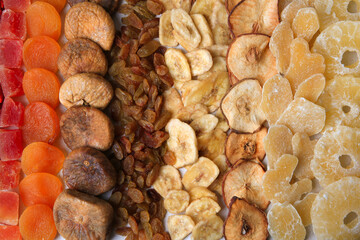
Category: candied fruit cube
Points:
column 12, row 25
column 306, row 23
column 11, row 53
column 10, row 174
column 11, row 145
column 303, row 116
column 277, row 143
column 303, row 149
column 11, row 82
column 276, row 96
column 17, row 5
column 9, row 208
column 12, row 114
column 303, row 207
column 311, row 88
column 303, row 63
column 10, row 232
column 278, row 185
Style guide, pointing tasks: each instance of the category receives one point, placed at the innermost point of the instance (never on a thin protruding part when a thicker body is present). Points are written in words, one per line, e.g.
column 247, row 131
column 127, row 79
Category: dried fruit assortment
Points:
column 312, row 111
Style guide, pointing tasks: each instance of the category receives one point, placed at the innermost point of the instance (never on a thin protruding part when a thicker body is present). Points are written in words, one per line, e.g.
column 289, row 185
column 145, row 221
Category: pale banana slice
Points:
column 212, row 144
column 201, row 174
column 182, row 142
column 169, row 178
column 218, row 50
column 204, row 29
column 183, row 4
column 185, row 31
column 221, row 162
column 207, row 91
column 200, row 192
column 180, row 226
column 190, row 113
column 178, row 65
column 205, row 123
column 219, row 64
column 209, row 229
column 172, row 101
column 200, row 61
column 241, row 106
column 204, row 7
column 219, row 24
column 202, row 209
column 176, row 201
column 166, row 36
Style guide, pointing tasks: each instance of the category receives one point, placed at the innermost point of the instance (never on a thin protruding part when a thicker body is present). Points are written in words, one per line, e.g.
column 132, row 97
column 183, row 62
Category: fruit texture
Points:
column 10, row 232
column 305, row 23
column 16, row 5
column 11, row 82
column 10, row 174
column 11, row 53
column 10, row 145
column 311, row 88
column 12, row 25
column 9, row 208
column 12, row 114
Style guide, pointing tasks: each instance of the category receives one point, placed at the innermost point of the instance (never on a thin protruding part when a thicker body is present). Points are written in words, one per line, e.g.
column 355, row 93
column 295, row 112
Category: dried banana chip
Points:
column 204, row 29
column 200, row 192
column 209, row 229
column 212, row 144
column 178, row 65
column 219, row 24
column 202, row 209
column 179, row 226
column 172, row 101
column 168, row 179
column 218, row 50
column 205, row 123
column 176, row 201
column 166, row 36
column 200, row 61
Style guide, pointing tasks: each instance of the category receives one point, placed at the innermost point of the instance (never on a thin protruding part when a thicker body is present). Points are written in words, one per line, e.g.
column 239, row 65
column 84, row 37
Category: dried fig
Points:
column 81, row 216
column 81, row 55
column 90, row 20
column 86, row 126
column 88, row 170
column 86, row 89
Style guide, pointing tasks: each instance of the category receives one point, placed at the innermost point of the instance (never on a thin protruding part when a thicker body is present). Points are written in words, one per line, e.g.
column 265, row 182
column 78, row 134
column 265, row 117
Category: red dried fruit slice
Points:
column 245, row 221
column 11, row 53
column 10, row 145
column 12, row 25
column 10, row 232
column 9, row 208
column 12, row 114
column 11, row 82
column 16, row 5
column 10, row 174
column 254, row 16
column 244, row 180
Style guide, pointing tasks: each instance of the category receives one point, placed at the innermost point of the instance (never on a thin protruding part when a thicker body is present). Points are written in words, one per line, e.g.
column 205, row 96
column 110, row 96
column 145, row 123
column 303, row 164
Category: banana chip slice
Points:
column 169, row 178
column 201, row 174
column 200, row 192
column 200, row 61
column 178, row 65
column 209, row 229
column 205, row 123
column 176, row 201
column 185, row 31
column 204, row 29
column 182, row 142
column 173, row 4
column 180, row 226
column 219, row 24
column 202, row 209
column 166, row 36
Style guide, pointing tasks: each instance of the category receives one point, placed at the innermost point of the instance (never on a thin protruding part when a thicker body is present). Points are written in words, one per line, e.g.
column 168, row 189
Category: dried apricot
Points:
column 58, row 4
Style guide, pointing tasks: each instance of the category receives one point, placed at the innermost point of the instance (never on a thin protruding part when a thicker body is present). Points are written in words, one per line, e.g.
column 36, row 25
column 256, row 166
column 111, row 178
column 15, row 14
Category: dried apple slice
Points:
column 245, row 146
column 311, row 88
column 254, row 16
column 230, row 4
column 276, row 96
column 245, row 221
column 245, row 180
column 241, row 106
column 303, row 116
column 249, row 56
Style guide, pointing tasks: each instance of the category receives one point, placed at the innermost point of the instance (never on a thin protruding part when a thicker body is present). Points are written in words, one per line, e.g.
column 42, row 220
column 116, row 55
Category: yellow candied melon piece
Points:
column 276, row 96
column 305, row 23
column 337, row 155
column 277, row 143
column 279, row 45
column 336, row 209
column 277, row 184
column 311, row 88
column 341, row 100
column 301, row 115
column 303, row 149
column 285, row 223
column 340, row 46
column 303, row 63
column 290, row 11
column 332, row 11
column 303, row 207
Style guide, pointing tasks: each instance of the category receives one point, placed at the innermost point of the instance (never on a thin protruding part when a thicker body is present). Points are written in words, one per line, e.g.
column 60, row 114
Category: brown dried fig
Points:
column 90, row 20
column 81, row 216
column 81, row 55
column 245, row 146
column 87, row 89
column 245, row 221
column 86, row 126
column 88, row 170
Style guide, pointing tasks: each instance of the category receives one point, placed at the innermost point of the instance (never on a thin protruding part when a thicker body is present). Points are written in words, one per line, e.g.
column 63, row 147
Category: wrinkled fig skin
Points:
column 109, row 5
column 86, row 126
column 88, row 170
column 79, row 216
column 81, row 55
column 90, row 20
column 86, row 89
